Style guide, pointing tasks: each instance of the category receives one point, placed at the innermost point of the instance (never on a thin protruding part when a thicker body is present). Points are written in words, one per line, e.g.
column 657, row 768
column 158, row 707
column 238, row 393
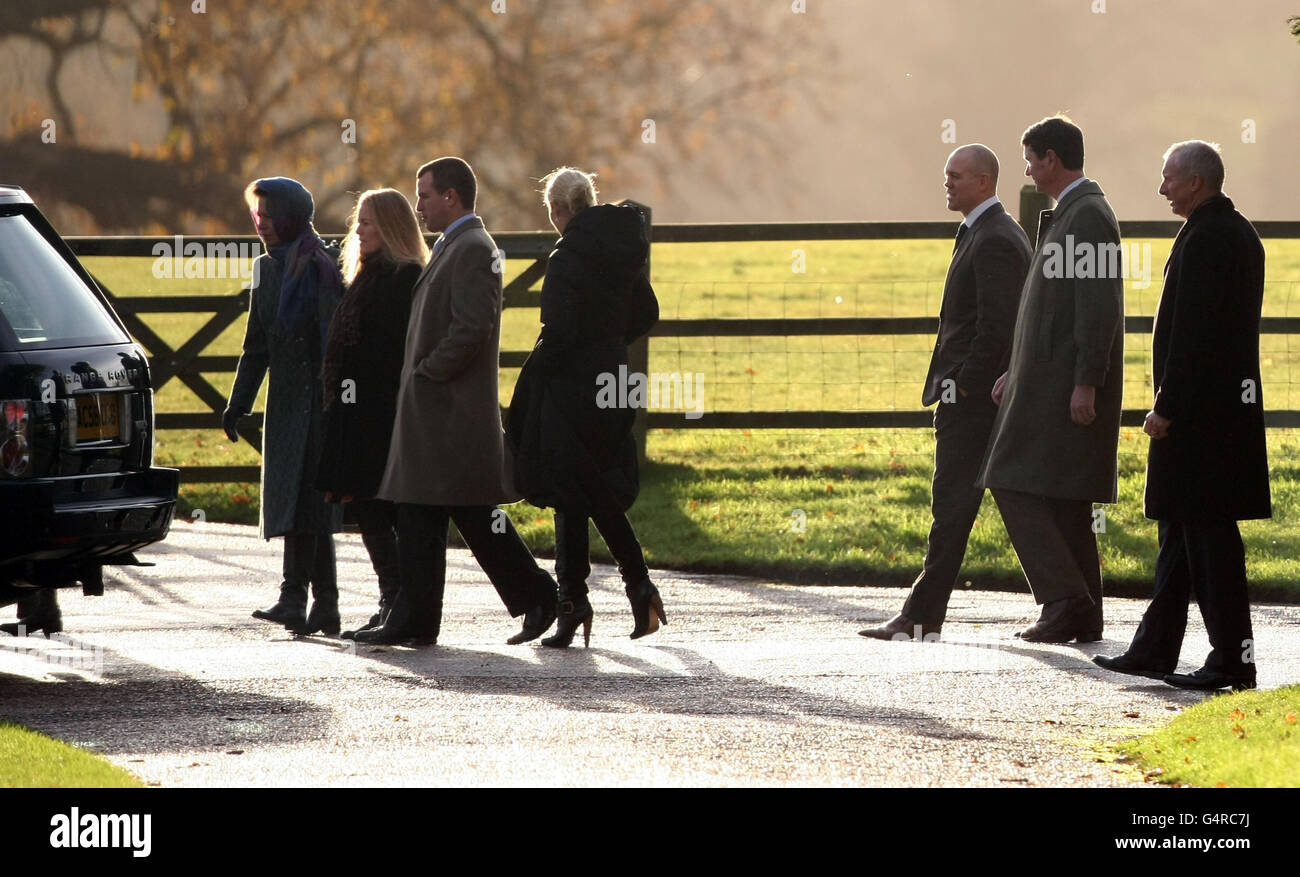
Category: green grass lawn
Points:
column 1250, row 739
column 833, row 506
column 32, row 760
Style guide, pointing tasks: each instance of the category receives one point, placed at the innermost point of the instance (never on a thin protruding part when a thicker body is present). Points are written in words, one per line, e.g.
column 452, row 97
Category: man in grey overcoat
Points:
column 297, row 286
column 1053, row 449
column 1207, row 466
column 447, row 461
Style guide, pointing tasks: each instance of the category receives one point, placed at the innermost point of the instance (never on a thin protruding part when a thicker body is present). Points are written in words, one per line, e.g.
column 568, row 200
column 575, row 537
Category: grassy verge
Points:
column 839, row 507
column 32, row 760
column 1250, row 739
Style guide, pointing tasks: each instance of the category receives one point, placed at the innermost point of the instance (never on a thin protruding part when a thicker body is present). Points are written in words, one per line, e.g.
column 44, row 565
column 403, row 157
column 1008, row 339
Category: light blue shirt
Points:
column 442, row 239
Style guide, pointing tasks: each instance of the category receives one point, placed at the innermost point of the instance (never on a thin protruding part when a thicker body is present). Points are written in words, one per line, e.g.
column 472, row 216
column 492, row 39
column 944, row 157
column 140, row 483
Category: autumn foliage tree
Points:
column 349, row 94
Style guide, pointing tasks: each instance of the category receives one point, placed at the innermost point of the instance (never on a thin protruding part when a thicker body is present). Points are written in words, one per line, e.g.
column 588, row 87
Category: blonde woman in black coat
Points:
column 383, row 255
column 573, row 453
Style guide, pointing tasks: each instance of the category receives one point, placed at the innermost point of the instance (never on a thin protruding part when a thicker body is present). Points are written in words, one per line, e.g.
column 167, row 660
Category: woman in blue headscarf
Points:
column 296, row 288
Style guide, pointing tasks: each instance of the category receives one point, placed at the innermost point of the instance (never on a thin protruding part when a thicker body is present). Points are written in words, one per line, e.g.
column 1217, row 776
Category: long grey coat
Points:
column 291, row 434
column 1069, row 330
column 448, row 446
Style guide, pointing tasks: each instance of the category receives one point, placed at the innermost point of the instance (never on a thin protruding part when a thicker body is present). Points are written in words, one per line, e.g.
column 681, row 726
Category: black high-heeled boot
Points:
column 572, row 610
column 647, row 608
column 38, row 613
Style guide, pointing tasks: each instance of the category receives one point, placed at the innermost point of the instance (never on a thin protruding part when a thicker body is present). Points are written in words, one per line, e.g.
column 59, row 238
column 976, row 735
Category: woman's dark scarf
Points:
column 309, row 269
column 345, row 330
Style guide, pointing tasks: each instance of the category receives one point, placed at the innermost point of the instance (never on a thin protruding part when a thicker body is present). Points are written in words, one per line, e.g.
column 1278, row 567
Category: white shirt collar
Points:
column 1061, row 197
column 976, row 213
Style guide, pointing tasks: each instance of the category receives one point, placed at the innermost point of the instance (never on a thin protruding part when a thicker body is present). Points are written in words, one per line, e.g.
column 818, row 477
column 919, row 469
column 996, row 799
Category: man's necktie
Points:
column 961, row 232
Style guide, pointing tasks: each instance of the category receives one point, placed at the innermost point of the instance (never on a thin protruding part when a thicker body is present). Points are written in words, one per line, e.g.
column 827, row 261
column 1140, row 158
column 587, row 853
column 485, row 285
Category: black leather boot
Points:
column 324, row 615
column 572, row 610
column 647, row 608
column 291, row 609
column 38, row 613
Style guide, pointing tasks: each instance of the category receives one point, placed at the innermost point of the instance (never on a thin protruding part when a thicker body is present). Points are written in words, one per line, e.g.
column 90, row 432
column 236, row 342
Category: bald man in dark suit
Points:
column 980, row 296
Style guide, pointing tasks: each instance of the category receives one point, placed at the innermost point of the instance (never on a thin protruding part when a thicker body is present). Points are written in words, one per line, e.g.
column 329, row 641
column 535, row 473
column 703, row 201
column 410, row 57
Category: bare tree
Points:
column 345, row 95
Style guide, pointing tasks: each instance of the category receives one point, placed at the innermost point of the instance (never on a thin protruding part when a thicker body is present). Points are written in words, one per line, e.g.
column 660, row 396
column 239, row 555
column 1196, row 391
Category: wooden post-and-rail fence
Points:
column 188, row 364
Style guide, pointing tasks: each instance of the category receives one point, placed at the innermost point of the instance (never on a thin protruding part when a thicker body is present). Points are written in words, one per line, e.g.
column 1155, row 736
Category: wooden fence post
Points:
column 1032, row 202
column 638, row 352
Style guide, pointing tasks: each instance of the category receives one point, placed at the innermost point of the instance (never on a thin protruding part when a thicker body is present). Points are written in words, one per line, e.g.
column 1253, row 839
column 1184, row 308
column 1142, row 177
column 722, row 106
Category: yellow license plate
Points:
column 97, row 417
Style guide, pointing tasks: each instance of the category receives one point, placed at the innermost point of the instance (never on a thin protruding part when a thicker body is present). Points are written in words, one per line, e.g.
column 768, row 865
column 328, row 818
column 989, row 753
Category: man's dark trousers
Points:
column 1205, row 558
column 496, row 545
column 961, row 433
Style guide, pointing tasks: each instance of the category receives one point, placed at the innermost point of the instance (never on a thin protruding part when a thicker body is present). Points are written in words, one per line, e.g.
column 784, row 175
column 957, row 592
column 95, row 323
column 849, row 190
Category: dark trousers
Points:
column 377, row 519
column 961, row 434
column 572, row 558
column 1205, row 559
column 490, row 536
column 1057, row 548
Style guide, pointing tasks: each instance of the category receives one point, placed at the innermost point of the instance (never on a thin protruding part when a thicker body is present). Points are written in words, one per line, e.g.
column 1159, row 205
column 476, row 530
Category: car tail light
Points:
column 15, row 450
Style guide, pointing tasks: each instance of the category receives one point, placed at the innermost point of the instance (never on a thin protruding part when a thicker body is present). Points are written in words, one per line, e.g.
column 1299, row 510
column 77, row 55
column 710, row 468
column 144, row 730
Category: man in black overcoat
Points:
column 989, row 261
column 1207, row 466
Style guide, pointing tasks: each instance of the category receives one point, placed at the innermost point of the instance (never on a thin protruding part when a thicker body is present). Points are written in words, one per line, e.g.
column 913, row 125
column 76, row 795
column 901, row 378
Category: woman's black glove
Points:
column 230, row 423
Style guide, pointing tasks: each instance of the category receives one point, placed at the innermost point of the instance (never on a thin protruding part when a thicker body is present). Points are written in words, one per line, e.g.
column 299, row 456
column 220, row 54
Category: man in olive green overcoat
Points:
column 1053, row 448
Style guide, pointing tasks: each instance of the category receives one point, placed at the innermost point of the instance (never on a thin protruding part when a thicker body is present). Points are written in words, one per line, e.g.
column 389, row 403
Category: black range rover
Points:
column 78, row 488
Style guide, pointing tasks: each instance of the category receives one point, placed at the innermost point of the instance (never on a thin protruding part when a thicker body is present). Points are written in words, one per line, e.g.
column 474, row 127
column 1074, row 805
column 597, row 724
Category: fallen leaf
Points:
column 1290, row 718
column 1131, row 715
column 1236, row 714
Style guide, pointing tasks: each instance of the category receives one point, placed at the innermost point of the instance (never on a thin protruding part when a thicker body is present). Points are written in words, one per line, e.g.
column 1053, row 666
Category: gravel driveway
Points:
column 750, row 684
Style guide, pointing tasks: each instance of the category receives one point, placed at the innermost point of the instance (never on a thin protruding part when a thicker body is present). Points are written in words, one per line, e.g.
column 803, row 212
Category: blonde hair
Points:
column 399, row 232
column 569, row 189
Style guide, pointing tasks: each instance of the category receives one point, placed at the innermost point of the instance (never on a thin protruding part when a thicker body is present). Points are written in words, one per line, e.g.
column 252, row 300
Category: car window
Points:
column 43, row 303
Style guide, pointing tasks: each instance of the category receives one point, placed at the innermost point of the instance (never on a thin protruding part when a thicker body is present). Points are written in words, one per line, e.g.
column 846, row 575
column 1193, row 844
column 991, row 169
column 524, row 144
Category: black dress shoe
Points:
column 1129, row 665
column 1209, row 680
column 292, row 615
column 901, row 628
column 537, row 621
column 1062, row 621
column 390, row 635
column 375, row 621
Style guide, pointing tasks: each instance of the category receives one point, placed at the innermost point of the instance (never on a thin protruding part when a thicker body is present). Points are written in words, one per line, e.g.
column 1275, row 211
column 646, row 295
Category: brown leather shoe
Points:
column 901, row 628
column 1063, row 621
